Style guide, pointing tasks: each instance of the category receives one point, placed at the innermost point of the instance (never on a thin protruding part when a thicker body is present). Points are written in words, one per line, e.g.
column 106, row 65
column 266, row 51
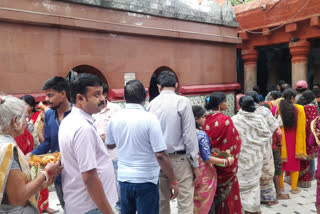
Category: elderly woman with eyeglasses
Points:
column 18, row 193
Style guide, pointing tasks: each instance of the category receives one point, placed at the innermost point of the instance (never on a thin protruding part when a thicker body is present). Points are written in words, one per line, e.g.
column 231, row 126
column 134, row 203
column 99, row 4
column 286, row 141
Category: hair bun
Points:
column 2, row 100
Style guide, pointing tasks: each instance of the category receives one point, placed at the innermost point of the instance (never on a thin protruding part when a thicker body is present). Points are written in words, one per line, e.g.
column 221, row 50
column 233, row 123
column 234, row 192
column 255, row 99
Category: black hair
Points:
column 247, row 103
column 238, row 91
column 306, row 98
column 254, row 95
column 167, row 79
column 265, row 105
column 284, row 87
column 256, row 88
column 281, row 82
column 275, row 95
column 80, row 84
column 198, row 112
column 58, row 84
column 318, row 85
column 30, row 101
column 301, row 90
column 153, row 88
column 287, row 109
column 134, row 92
column 316, row 91
column 105, row 89
column 214, row 100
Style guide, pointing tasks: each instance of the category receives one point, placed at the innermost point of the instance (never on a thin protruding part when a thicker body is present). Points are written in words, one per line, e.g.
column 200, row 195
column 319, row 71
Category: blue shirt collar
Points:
column 64, row 115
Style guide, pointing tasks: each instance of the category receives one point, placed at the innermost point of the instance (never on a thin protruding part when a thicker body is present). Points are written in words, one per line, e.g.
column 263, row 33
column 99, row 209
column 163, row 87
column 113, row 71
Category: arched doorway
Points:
column 85, row 69
column 153, row 88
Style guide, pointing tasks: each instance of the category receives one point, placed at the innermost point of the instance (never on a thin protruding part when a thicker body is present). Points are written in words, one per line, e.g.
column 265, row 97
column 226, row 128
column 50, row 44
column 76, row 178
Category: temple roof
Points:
column 253, row 5
column 204, row 11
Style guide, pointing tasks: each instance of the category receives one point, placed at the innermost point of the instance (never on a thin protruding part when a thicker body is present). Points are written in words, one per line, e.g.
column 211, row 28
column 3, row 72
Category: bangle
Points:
column 224, row 162
column 45, row 174
column 174, row 182
column 48, row 172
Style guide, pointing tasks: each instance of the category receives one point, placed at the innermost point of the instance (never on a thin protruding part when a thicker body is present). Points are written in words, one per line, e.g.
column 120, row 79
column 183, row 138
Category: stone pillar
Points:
column 299, row 60
column 250, row 68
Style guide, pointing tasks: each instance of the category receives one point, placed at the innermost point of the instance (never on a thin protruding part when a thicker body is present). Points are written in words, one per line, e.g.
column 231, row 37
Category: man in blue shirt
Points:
column 57, row 92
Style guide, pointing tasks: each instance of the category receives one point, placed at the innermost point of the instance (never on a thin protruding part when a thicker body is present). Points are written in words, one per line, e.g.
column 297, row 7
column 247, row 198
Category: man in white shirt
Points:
column 88, row 179
column 177, row 122
column 141, row 149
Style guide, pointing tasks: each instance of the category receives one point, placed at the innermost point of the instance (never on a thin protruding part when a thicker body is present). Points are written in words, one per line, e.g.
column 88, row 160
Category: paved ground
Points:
column 301, row 203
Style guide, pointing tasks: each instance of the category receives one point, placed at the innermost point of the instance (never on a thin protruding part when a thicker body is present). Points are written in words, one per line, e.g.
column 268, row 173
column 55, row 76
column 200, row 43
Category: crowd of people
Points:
column 137, row 159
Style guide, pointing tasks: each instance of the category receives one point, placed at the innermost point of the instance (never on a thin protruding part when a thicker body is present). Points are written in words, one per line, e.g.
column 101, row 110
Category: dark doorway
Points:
column 274, row 64
column 240, row 71
column 314, row 63
column 85, row 69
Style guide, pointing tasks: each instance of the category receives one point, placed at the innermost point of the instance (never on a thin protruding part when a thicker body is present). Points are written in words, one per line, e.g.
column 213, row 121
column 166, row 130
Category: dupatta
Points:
column 301, row 150
column 7, row 151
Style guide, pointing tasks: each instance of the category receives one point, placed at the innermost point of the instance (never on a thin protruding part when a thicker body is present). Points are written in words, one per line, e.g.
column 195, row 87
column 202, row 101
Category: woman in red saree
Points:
column 224, row 137
column 35, row 118
column 205, row 189
column 311, row 112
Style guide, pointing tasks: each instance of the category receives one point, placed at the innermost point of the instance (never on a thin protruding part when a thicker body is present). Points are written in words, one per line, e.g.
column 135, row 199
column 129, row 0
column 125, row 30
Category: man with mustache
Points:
column 57, row 92
column 88, row 179
column 102, row 119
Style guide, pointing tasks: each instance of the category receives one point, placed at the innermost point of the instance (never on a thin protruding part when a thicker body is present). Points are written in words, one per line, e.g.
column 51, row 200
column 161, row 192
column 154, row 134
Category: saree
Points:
column 224, row 136
column 255, row 137
column 305, row 171
column 205, row 189
column 314, row 140
column 8, row 149
column 268, row 192
column 25, row 141
column 38, row 126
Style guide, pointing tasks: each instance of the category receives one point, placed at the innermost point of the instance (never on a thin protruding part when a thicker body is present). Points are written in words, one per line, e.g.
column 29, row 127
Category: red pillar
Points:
column 299, row 61
column 250, row 68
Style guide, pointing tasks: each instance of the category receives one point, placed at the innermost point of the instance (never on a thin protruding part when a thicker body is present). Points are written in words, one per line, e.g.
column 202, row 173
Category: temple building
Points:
column 119, row 40
column 280, row 41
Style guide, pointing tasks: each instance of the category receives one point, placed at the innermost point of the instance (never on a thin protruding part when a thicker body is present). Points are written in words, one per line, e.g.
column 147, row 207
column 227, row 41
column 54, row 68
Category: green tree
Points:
column 237, row 2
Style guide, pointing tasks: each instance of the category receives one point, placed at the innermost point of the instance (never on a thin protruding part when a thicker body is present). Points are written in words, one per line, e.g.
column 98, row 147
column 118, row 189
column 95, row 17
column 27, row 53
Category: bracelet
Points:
column 224, row 162
column 174, row 182
column 45, row 174
column 228, row 163
column 48, row 172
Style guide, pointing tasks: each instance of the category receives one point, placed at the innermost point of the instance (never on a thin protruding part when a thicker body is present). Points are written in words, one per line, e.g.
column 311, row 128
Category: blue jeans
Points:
column 95, row 211
column 59, row 191
column 143, row 198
